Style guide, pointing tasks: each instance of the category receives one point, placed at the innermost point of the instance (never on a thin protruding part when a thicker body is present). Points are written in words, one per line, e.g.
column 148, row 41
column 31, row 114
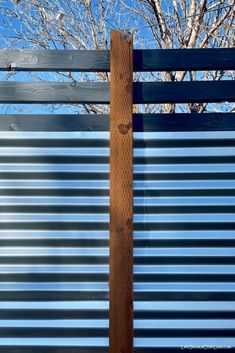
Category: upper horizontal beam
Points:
column 184, row 59
column 54, row 60
column 99, row 61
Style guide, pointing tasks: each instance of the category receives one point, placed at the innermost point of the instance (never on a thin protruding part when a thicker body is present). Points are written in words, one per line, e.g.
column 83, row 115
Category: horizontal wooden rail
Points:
column 100, row 122
column 184, row 122
column 98, row 92
column 184, row 59
column 184, row 92
column 54, row 122
column 54, row 60
column 99, row 61
column 54, row 92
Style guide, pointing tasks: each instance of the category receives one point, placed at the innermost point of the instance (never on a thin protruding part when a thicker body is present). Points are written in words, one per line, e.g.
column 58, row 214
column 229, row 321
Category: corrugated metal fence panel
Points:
column 54, row 204
column 54, row 229
column 184, row 236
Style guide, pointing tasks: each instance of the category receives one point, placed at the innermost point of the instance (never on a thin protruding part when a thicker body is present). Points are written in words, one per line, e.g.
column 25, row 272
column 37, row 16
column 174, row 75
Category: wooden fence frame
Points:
column 122, row 60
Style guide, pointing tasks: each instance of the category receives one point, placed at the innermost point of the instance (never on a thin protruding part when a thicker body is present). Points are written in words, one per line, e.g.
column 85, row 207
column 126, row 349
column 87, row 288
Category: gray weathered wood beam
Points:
column 99, row 61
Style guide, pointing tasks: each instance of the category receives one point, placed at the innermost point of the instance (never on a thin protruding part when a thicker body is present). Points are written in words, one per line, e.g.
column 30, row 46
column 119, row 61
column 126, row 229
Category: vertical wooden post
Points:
column 121, row 195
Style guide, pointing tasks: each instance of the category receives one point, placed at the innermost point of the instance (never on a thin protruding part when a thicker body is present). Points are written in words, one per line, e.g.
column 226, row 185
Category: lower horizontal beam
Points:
column 100, row 122
column 54, row 122
column 54, row 92
column 99, row 92
column 184, row 122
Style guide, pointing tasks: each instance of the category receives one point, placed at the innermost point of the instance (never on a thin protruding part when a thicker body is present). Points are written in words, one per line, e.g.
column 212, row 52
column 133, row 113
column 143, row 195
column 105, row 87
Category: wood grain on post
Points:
column 121, row 195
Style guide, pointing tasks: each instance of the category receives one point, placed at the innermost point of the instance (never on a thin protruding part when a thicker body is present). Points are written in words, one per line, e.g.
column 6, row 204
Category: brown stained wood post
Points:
column 121, row 195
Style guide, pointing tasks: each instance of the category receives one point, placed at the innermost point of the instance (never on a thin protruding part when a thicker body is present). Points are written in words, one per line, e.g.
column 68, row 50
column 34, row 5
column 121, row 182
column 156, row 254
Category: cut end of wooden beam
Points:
column 127, row 36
